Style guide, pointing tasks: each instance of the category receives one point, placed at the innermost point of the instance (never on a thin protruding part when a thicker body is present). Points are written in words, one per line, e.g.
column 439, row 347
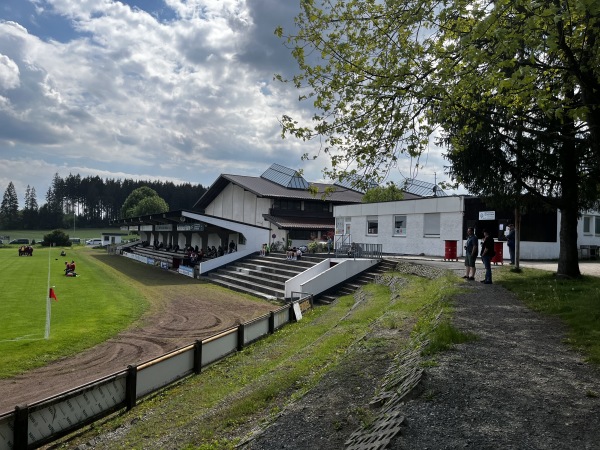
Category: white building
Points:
column 423, row 226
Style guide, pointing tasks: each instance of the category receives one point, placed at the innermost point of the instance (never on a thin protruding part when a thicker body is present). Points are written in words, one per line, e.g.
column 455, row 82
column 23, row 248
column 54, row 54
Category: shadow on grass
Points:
column 144, row 273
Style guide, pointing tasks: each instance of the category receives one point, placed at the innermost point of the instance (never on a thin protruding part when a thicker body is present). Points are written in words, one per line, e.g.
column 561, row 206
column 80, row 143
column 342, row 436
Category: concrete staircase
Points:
column 262, row 276
column 353, row 284
column 265, row 276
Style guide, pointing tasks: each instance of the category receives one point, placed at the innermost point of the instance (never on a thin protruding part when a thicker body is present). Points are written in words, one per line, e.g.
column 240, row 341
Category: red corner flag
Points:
column 53, row 295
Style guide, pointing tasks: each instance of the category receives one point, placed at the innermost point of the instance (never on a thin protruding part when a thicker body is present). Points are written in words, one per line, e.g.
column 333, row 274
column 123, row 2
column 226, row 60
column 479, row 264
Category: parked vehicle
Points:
column 19, row 241
column 93, row 242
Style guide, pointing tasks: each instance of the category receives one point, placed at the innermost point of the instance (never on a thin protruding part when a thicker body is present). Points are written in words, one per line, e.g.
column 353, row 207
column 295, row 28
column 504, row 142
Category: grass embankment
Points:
column 205, row 410
column 576, row 302
column 90, row 309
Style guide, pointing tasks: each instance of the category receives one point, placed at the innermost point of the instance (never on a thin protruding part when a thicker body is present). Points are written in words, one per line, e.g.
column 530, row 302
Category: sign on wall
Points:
column 487, row 215
column 167, row 227
column 191, row 227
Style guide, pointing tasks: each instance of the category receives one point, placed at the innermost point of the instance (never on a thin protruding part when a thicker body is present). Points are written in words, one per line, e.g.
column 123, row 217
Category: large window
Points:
column 283, row 203
column 372, row 225
column 300, row 234
column 597, row 225
column 399, row 225
column 431, row 224
column 321, row 206
column 587, row 224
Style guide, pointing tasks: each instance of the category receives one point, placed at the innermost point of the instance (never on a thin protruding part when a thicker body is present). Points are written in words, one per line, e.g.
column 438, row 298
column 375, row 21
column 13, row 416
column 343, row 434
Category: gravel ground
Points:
column 518, row 386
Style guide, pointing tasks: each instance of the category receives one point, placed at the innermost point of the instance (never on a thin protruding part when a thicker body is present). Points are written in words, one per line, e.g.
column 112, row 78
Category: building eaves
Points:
column 287, row 223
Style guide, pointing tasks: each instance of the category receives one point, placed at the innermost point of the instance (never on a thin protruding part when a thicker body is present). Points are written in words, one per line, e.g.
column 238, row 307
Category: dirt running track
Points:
column 183, row 310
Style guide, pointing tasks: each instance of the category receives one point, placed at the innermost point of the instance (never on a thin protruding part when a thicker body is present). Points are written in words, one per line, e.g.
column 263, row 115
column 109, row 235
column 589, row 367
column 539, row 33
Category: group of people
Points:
column 25, row 250
column 487, row 252
column 70, row 269
column 293, row 254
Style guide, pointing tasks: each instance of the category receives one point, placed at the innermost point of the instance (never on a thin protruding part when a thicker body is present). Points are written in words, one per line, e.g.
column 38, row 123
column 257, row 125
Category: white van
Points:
column 93, row 242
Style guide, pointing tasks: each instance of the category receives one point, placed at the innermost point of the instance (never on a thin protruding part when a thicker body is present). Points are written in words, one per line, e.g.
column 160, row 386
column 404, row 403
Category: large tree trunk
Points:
column 568, row 259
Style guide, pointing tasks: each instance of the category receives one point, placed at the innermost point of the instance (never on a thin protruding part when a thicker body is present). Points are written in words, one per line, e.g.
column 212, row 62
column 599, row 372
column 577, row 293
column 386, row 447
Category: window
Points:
column 587, row 224
column 597, row 231
column 399, row 225
column 431, row 224
column 300, row 234
column 372, row 225
column 287, row 204
column 316, row 206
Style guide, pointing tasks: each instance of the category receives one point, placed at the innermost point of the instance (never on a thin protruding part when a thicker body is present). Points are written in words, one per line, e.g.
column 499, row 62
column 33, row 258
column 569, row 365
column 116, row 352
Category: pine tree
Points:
column 9, row 209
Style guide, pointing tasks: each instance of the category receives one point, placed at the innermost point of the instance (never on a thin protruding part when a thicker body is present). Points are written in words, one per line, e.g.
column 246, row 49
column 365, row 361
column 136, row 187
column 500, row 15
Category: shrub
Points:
column 57, row 238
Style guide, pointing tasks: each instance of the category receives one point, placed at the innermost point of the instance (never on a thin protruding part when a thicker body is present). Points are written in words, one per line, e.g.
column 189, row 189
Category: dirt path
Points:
column 183, row 310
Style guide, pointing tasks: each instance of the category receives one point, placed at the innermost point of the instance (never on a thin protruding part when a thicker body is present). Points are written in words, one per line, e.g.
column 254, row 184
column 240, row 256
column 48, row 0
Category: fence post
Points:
column 131, row 387
column 197, row 357
column 272, row 323
column 240, row 337
column 21, row 430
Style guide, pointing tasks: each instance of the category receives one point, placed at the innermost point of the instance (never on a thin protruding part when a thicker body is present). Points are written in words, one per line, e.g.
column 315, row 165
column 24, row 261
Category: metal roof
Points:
column 422, row 188
column 262, row 187
column 351, row 182
column 285, row 177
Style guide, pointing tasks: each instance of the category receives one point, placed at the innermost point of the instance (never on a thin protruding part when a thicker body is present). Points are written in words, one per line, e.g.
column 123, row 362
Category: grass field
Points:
column 90, row 308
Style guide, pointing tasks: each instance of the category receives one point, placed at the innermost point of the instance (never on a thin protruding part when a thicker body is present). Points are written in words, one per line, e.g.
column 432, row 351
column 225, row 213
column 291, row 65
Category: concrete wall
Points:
column 345, row 269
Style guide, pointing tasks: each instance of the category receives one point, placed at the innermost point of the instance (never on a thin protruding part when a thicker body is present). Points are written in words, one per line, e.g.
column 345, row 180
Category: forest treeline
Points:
column 88, row 202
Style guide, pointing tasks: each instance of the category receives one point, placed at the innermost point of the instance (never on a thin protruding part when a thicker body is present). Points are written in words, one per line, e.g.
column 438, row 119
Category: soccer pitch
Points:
column 89, row 309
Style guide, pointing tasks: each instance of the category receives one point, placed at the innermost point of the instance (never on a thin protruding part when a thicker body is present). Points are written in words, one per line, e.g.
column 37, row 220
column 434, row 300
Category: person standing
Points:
column 329, row 242
column 471, row 248
column 487, row 253
column 510, row 242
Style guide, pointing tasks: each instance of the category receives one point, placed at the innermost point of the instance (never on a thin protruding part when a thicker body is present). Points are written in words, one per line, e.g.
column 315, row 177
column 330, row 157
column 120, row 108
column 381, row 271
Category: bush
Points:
column 57, row 238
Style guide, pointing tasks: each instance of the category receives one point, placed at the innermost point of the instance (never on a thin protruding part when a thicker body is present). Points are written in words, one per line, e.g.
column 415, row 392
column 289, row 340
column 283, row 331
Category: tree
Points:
column 389, row 193
column 143, row 201
column 30, row 212
column 150, row 205
column 383, row 76
column 57, row 238
column 9, row 209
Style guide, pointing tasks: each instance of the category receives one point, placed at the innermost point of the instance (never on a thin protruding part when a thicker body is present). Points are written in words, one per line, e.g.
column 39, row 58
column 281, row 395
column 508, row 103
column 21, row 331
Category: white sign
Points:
column 167, row 227
column 487, row 215
column 297, row 311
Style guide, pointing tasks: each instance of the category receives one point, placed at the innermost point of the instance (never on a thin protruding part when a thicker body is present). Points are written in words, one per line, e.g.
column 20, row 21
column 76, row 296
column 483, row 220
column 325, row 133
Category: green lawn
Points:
column 90, row 308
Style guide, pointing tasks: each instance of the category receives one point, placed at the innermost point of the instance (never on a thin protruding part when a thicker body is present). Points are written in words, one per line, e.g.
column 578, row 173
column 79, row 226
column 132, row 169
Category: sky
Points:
column 172, row 90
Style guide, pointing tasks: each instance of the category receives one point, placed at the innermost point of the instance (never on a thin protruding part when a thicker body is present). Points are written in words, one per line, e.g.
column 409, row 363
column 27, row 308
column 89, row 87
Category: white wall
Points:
column 415, row 242
column 451, row 228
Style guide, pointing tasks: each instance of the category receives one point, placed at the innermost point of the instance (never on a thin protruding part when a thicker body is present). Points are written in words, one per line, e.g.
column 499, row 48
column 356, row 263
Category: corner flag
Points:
column 52, row 295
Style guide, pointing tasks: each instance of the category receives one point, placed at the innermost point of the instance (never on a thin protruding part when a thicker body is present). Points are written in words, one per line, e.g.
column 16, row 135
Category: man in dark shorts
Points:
column 471, row 250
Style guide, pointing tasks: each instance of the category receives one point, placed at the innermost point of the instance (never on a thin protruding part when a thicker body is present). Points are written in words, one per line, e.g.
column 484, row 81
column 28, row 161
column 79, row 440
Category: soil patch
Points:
column 182, row 310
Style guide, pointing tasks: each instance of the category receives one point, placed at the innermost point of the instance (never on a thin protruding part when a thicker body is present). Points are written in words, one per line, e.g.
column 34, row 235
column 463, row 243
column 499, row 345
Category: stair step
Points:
column 277, row 293
column 238, row 288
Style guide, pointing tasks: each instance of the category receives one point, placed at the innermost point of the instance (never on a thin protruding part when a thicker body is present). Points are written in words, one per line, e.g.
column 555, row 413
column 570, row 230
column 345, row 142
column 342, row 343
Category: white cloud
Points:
column 182, row 96
column 9, row 73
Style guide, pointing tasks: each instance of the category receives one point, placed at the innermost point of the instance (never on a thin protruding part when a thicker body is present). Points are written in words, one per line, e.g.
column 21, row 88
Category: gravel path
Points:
column 518, row 386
